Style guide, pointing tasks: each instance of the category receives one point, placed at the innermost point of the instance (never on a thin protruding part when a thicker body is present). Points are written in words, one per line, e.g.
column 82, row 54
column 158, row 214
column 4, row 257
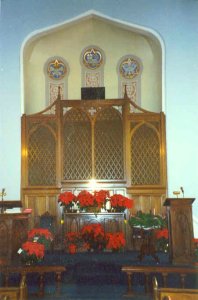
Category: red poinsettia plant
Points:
column 115, row 241
column 85, row 199
column 120, row 202
column 73, row 241
column 161, row 233
column 101, row 197
column 95, row 199
column 40, row 235
column 161, row 236
column 195, row 241
column 67, row 199
column 93, row 237
column 32, row 252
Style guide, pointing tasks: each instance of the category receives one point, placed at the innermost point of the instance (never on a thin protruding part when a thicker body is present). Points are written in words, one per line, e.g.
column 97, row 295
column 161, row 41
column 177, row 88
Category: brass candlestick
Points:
column 176, row 193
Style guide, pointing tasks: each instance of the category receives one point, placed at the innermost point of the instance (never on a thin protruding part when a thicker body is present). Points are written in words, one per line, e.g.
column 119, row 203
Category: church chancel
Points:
column 102, row 95
column 115, row 142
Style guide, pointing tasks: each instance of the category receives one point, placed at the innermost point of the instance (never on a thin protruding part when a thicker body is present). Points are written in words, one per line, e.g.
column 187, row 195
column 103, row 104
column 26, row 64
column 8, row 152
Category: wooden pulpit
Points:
column 13, row 232
column 180, row 226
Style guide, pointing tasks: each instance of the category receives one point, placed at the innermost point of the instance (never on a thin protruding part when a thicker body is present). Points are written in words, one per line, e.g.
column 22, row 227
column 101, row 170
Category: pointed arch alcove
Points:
column 94, row 138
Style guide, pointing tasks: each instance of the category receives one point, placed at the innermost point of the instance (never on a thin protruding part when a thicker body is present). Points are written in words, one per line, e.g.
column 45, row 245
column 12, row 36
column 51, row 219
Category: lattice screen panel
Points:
column 76, row 146
column 145, row 157
column 42, row 157
column 109, row 146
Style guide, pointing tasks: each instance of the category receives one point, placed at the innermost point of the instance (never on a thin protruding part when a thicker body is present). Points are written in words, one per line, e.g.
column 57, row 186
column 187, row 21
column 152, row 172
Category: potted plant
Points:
column 69, row 201
column 89, row 202
column 144, row 226
column 119, row 203
column 161, row 238
column 195, row 241
column 147, row 221
column 41, row 235
column 31, row 252
column 115, row 241
column 73, row 241
column 93, row 236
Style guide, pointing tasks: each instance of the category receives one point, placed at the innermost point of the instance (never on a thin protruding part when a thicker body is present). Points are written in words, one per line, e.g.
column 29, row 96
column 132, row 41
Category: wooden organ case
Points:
column 120, row 145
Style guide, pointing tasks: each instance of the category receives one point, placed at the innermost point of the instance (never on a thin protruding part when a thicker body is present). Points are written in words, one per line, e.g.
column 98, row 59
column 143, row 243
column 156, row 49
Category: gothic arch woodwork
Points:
column 72, row 141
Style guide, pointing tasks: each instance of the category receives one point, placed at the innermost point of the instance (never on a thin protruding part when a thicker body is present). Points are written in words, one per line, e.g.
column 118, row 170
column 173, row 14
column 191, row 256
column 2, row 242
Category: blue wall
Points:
column 175, row 21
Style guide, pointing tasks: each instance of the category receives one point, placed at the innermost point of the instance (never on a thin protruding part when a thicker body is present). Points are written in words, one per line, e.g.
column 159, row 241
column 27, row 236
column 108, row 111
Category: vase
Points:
column 29, row 262
column 70, row 209
column 118, row 209
column 67, row 209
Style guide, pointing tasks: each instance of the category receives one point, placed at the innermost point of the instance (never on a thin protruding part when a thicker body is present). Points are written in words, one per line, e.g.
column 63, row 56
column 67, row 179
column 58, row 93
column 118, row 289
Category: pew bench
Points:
column 163, row 271
column 173, row 293
column 15, row 293
column 41, row 270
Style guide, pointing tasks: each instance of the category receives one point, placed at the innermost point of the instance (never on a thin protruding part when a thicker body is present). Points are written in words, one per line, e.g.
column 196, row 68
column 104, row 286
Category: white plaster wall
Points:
column 68, row 42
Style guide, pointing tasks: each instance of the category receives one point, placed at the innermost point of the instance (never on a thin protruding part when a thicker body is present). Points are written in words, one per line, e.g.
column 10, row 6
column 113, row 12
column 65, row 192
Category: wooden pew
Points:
column 39, row 269
column 15, row 293
column 173, row 293
column 149, row 270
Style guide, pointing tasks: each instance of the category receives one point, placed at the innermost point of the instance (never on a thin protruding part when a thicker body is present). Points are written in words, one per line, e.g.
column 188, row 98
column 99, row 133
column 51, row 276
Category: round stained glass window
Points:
column 92, row 58
column 129, row 68
column 56, row 69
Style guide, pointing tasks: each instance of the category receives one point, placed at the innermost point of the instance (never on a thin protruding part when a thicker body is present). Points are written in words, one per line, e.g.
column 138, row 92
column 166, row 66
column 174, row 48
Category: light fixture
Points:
column 93, row 184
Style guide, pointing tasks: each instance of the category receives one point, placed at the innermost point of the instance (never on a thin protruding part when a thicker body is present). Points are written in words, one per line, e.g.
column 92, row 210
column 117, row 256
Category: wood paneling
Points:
column 148, row 197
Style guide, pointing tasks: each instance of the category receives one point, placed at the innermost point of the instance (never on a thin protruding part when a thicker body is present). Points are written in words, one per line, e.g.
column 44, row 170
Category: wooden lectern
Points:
column 180, row 226
column 13, row 231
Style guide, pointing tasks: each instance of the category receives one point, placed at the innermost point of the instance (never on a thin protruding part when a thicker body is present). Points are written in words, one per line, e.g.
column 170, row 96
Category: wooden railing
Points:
column 164, row 271
column 41, row 270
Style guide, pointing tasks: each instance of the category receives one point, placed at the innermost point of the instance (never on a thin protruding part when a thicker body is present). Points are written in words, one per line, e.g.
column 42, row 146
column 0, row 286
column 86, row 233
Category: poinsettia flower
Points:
column 72, row 236
column 32, row 248
column 85, row 199
column 72, row 248
column 40, row 232
column 118, row 200
column 115, row 241
column 101, row 197
column 161, row 233
column 66, row 198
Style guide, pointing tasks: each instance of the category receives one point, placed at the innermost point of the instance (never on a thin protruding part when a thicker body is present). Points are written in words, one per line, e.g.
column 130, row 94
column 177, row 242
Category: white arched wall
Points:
column 68, row 39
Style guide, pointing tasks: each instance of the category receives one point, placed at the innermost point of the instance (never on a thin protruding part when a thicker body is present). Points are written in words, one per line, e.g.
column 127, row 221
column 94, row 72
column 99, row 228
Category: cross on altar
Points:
column 92, row 111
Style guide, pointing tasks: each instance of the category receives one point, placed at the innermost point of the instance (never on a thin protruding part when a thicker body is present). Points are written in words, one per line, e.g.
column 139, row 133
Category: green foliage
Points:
column 147, row 220
column 162, row 245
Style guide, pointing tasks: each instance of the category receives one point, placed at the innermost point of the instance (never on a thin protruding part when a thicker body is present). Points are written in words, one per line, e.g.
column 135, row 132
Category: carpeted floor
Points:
column 91, row 292
column 97, row 276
